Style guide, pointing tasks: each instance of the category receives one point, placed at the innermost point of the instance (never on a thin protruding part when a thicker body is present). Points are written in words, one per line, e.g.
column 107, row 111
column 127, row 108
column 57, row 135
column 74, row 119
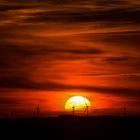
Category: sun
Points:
column 77, row 102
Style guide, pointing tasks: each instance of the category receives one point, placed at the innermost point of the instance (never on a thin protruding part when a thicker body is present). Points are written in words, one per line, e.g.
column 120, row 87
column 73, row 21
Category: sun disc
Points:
column 78, row 102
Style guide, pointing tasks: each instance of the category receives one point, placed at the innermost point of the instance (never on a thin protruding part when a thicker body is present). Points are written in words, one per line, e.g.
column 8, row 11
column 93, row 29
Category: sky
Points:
column 51, row 50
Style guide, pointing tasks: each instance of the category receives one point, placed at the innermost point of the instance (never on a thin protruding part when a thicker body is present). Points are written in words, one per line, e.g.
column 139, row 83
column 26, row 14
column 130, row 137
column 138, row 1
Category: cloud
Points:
column 22, row 82
column 119, row 15
column 118, row 59
column 7, row 101
column 115, row 13
column 133, row 102
column 117, row 39
column 25, row 55
column 100, row 2
column 4, row 8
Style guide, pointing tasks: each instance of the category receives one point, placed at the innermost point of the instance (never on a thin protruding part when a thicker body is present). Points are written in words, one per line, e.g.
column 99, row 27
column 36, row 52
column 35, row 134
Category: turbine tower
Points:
column 73, row 110
column 86, row 109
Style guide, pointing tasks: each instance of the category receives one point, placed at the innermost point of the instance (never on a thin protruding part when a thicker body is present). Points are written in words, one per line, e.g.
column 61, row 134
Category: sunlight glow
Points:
column 78, row 102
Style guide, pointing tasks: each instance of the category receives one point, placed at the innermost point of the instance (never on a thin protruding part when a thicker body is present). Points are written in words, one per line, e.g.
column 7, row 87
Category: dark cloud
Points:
column 22, row 82
column 115, row 91
column 7, row 101
column 100, row 2
column 134, row 76
column 111, row 2
column 24, row 1
column 128, row 40
column 118, row 59
column 4, row 8
column 111, row 15
column 133, row 102
column 16, row 56
column 15, row 82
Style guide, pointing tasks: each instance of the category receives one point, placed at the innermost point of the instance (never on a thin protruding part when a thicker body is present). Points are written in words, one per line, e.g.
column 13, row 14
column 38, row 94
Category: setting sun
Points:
column 78, row 102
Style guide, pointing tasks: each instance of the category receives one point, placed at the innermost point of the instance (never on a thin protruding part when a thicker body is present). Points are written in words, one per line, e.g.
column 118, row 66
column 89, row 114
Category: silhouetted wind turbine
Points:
column 86, row 109
column 73, row 110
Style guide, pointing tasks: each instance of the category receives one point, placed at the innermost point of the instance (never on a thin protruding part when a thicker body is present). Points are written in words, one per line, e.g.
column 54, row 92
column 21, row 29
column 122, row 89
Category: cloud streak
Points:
column 24, row 83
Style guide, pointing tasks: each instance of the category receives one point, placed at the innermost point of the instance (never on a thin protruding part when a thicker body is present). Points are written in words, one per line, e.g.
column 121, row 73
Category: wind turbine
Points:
column 73, row 110
column 87, row 107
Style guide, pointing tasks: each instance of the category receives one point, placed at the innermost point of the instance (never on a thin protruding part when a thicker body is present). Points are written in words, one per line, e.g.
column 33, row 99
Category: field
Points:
column 71, row 127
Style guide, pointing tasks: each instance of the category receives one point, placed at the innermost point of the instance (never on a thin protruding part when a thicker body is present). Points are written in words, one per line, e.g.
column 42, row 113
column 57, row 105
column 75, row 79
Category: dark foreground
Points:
column 69, row 127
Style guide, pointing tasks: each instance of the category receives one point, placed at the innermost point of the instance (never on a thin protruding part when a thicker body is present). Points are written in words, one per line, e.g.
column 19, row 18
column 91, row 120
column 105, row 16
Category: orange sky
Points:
column 50, row 51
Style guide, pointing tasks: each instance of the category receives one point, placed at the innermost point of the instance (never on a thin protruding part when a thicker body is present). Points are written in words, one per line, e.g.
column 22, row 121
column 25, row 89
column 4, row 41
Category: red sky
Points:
column 50, row 51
